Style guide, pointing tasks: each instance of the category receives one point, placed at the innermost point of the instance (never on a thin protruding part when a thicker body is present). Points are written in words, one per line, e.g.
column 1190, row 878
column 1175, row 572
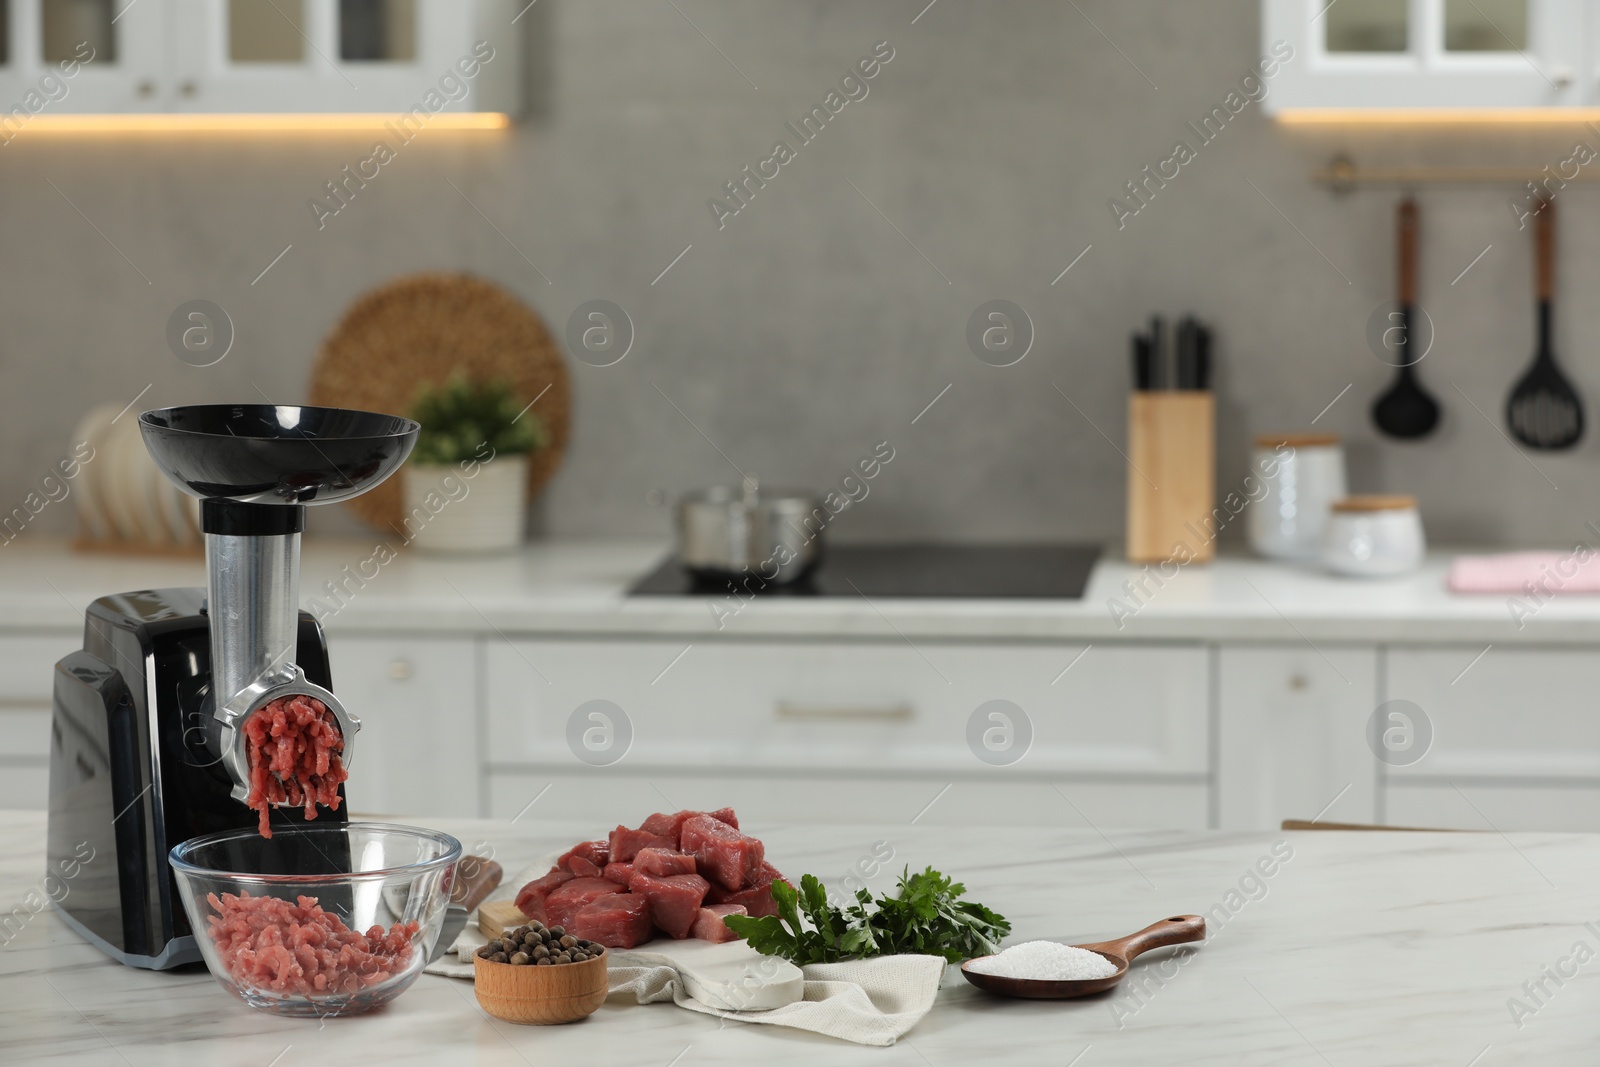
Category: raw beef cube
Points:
column 626, row 843
column 667, row 826
column 571, row 896
column 617, row 872
column 674, row 900
column 756, row 899
column 582, row 868
column 709, row 925
column 531, row 898
column 620, row 920
column 595, row 854
column 662, row 862
column 722, row 854
column 671, row 826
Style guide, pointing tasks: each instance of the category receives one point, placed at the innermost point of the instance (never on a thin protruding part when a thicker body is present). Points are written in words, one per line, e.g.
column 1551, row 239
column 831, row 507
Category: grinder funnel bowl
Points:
column 254, row 468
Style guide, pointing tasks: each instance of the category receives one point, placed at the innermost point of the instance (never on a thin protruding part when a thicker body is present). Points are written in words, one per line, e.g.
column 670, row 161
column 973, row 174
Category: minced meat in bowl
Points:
column 326, row 920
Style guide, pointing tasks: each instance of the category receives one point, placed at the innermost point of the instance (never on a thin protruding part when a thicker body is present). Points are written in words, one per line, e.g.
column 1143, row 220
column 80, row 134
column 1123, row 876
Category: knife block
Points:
column 1171, row 476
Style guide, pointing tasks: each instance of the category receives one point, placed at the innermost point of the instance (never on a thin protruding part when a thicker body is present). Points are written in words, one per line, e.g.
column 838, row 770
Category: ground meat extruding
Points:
column 270, row 945
column 293, row 745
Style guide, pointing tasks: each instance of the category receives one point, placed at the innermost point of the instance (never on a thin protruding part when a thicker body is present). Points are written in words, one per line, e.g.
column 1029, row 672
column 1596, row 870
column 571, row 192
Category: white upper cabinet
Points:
column 1430, row 54
column 262, row 56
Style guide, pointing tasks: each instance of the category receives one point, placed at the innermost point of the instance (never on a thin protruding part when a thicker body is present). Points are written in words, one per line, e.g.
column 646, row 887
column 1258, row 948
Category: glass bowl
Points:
column 286, row 923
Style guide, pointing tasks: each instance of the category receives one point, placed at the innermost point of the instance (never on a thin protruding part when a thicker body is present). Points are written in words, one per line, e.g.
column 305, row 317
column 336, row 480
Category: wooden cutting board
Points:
column 731, row 976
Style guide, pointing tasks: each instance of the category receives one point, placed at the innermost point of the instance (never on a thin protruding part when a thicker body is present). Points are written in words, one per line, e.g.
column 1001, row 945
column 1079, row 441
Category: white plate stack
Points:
column 125, row 503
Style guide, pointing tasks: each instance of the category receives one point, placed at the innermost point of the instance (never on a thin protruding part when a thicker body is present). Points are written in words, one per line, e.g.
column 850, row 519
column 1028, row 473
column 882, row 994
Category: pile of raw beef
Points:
column 678, row 875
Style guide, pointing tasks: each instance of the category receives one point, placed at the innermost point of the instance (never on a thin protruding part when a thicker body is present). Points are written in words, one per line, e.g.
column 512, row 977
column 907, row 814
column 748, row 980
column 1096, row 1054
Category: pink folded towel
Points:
column 1527, row 573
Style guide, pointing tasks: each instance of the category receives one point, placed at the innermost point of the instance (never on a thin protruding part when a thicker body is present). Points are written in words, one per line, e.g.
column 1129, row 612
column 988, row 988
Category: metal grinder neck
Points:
column 253, row 578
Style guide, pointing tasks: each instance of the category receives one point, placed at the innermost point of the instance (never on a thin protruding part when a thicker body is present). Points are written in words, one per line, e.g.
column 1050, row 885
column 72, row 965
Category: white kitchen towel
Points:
column 869, row 1002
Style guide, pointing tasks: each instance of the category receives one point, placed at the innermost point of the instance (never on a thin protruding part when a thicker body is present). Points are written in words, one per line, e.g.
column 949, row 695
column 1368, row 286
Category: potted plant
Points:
column 465, row 486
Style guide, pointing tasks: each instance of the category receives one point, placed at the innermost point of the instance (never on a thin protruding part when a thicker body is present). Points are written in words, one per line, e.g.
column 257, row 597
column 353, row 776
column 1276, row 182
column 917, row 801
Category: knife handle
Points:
column 476, row 877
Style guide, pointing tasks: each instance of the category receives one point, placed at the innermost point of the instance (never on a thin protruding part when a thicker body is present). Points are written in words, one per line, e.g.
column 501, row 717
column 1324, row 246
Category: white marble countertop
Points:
column 1359, row 948
column 574, row 588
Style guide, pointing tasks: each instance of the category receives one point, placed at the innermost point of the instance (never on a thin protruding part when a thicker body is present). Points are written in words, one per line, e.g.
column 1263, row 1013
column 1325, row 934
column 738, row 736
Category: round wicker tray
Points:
column 418, row 330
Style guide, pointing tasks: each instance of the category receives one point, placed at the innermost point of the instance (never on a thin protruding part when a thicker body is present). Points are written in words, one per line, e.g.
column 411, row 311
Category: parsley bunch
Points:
column 925, row 916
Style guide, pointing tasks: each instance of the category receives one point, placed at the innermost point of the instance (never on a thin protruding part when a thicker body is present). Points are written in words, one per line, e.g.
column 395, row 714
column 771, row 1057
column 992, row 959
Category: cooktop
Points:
column 1058, row 571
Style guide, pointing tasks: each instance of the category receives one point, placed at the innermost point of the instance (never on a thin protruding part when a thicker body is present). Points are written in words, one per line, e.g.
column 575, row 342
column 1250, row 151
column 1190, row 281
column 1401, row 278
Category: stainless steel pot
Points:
column 774, row 536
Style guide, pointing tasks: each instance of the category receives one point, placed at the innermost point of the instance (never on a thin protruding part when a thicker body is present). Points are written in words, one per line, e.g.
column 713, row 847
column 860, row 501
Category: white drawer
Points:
column 25, row 731
column 606, row 799
column 25, row 785
column 28, row 667
column 27, row 678
column 1502, row 808
column 823, row 705
column 1516, row 712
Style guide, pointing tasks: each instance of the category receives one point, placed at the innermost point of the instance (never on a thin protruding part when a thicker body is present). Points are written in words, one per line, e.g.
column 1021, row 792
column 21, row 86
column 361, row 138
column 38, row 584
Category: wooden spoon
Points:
column 1174, row 931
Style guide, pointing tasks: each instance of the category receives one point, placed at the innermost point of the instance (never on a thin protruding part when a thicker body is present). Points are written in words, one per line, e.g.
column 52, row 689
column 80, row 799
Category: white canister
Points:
column 448, row 509
column 1303, row 474
column 1373, row 536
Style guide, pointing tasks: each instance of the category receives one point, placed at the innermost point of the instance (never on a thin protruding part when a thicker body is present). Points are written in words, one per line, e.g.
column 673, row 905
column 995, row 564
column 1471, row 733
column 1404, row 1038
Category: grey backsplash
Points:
column 808, row 329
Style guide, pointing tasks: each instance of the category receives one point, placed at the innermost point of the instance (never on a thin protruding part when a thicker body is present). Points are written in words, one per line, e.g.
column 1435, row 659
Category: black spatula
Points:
column 1406, row 410
column 1544, row 410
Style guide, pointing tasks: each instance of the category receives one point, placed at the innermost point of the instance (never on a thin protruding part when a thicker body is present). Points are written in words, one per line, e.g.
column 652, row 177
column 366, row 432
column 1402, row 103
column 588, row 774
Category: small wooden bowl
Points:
column 560, row 993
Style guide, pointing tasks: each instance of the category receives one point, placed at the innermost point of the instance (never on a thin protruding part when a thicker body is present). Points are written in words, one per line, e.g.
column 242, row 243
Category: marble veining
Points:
column 1324, row 948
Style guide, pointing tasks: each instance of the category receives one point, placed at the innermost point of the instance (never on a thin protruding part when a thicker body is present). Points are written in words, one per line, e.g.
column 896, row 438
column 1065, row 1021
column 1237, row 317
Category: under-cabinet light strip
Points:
column 252, row 123
column 1519, row 116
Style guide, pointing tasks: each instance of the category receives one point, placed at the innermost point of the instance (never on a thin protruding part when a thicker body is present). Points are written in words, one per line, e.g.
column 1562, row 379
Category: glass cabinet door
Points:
column 1485, row 25
column 76, row 56
column 1367, row 27
column 339, row 56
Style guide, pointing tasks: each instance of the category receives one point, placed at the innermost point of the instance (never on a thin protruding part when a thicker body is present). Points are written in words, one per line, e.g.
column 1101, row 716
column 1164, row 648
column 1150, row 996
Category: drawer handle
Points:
column 401, row 670
column 846, row 713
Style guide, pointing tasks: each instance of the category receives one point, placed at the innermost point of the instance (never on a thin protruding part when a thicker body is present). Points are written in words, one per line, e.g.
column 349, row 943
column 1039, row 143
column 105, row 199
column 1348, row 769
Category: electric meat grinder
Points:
column 147, row 739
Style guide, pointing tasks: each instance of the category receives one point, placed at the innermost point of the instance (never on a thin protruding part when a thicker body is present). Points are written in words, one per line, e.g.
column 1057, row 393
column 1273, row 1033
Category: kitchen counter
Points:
column 573, row 588
column 1350, row 948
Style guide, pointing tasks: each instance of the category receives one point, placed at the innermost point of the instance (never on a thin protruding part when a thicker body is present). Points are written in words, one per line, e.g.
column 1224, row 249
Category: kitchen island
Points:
column 1324, row 948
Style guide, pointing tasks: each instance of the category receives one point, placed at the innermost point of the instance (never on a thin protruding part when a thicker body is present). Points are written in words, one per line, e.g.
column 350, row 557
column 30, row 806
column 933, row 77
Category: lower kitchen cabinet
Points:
column 607, row 798
column 1292, row 723
column 417, row 699
column 1158, row 734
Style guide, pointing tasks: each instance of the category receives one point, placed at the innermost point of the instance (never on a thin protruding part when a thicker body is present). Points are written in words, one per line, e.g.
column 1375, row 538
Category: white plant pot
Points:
column 447, row 511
